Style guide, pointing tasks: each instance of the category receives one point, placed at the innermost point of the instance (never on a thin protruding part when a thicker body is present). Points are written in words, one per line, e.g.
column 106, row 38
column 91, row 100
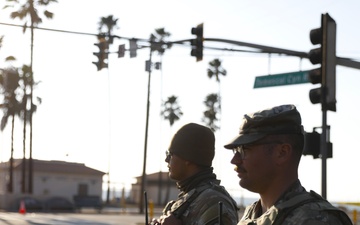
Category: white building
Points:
column 158, row 186
column 50, row 179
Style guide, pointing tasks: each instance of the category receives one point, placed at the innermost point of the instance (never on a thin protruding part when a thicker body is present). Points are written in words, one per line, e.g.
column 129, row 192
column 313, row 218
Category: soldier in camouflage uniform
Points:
column 202, row 200
column 267, row 153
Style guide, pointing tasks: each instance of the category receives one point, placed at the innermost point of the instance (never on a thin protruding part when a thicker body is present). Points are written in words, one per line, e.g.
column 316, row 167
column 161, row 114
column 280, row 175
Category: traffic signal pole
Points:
column 323, row 152
column 143, row 177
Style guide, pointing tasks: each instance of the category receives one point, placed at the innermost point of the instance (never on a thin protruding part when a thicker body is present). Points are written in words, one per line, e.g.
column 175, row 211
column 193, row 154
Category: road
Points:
column 84, row 218
column 12, row 218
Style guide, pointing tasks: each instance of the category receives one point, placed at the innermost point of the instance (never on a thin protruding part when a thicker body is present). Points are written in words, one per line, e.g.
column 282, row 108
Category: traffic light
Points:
column 101, row 55
column 312, row 144
column 133, row 48
column 325, row 55
column 121, row 51
column 197, row 43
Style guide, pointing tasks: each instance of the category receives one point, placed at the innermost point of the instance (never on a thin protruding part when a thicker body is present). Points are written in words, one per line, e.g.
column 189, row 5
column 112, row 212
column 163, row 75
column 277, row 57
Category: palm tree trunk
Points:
column 24, row 144
column 11, row 161
column 30, row 188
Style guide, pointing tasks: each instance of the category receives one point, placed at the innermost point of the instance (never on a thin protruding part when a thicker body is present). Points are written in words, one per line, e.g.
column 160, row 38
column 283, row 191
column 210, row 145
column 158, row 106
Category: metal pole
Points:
column 143, row 178
column 323, row 153
column 109, row 156
column 323, row 149
column 324, row 73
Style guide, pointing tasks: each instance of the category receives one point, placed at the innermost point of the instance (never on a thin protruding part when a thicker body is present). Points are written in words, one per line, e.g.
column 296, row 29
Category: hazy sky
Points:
column 98, row 118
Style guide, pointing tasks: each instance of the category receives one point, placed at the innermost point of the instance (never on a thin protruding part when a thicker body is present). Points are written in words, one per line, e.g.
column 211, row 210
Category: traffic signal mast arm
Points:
column 263, row 49
column 268, row 49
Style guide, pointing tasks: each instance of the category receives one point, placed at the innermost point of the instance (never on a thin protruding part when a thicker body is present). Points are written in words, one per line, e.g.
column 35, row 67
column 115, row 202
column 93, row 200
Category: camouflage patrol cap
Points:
column 195, row 143
column 283, row 119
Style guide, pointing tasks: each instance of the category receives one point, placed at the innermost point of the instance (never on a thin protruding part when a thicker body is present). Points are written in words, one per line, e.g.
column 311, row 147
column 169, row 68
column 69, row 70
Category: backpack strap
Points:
column 337, row 212
column 191, row 196
column 286, row 207
column 222, row 190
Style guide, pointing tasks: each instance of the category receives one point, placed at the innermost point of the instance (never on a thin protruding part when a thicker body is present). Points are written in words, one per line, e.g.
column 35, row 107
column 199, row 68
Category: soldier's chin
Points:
column 242, row 183
column 171, row 176
column 246, row 185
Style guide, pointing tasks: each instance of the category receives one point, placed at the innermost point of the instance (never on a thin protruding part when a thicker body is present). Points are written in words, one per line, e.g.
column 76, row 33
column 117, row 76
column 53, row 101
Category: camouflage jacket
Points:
column 297, row 206
column 200, row 206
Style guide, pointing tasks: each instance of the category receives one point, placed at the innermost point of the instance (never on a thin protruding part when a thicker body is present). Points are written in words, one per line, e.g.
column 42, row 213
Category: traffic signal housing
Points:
column 325, row 55
column 197, row 46
column 101, row 55
column 312, row 144
column 121, row 51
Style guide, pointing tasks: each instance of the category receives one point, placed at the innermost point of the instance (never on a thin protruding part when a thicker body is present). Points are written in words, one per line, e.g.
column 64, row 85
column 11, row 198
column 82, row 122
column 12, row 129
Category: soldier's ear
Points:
column 283, row 152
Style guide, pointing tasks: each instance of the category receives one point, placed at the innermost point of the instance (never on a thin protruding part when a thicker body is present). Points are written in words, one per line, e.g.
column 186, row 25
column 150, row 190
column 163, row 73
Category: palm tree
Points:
column 28, row 9
column 216, row 70
column 110, row 23
column 158, row 41
column 212, row 102
column 25, row 114
column 172, row 112
column 9, row 83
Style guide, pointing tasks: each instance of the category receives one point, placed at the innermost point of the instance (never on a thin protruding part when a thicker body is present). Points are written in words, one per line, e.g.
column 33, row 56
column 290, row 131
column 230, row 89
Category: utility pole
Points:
column 143, row 178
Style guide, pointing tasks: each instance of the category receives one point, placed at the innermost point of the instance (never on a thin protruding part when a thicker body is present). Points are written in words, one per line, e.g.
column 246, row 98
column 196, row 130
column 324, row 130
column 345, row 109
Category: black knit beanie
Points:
column 195, row 143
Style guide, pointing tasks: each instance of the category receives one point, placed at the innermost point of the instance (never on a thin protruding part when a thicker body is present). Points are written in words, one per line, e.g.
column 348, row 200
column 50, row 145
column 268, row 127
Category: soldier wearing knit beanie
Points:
column 189, row 160
column 195, row 143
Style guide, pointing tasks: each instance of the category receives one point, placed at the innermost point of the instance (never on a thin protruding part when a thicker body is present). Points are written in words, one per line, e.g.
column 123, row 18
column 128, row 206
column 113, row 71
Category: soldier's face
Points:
column 255, row 168
column 177, row 167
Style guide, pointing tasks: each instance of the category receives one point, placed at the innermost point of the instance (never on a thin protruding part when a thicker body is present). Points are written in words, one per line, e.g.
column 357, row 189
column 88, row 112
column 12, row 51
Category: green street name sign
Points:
column 299, row 77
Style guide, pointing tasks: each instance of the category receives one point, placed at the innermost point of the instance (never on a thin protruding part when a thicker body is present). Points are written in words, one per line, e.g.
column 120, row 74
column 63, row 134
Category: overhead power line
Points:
column 69, row 32
column 49, row 29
